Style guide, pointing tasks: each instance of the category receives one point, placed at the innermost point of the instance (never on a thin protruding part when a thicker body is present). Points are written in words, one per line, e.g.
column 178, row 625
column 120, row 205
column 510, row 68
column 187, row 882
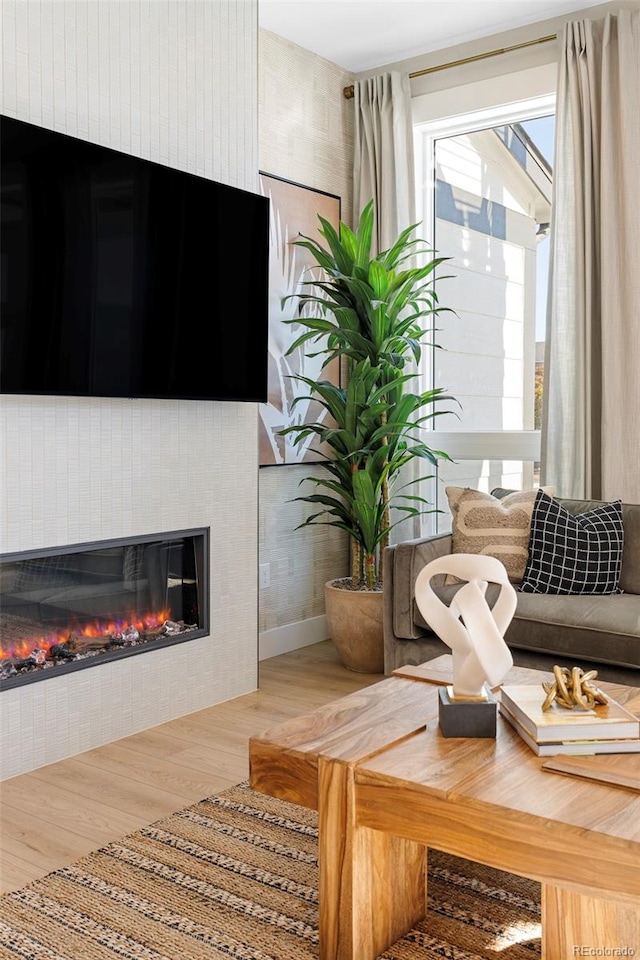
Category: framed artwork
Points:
column 294, row 211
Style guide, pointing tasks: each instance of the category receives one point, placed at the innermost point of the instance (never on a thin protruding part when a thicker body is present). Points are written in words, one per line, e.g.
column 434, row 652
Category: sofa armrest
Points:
column 401, row 565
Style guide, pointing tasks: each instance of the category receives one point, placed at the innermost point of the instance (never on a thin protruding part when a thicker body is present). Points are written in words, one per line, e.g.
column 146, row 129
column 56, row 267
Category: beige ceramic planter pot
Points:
column 355, row 626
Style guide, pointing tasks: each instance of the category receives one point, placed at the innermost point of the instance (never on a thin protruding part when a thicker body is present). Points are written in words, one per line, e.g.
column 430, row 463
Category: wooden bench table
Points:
column 387, row 786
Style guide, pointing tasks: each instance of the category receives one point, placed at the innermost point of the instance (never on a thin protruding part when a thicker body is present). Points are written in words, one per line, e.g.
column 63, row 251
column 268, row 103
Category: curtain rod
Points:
column 349, row 91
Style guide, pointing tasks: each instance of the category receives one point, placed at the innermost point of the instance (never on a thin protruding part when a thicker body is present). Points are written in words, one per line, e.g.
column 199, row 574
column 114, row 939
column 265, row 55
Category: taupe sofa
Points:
column 602, row 631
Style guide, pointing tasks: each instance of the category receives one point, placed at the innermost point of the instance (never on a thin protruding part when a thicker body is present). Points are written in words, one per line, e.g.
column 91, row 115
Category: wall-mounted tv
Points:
column 122, row 277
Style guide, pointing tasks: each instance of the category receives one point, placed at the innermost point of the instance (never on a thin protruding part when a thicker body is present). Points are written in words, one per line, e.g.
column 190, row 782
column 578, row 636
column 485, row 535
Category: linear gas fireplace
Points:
column 68, row 608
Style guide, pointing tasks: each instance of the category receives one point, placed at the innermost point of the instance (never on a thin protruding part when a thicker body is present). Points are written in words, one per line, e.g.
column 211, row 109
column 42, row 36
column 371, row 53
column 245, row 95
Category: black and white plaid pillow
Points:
column 574, row 553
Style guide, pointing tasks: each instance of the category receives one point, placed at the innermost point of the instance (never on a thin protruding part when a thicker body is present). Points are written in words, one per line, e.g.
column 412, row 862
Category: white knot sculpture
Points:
column 474, row 632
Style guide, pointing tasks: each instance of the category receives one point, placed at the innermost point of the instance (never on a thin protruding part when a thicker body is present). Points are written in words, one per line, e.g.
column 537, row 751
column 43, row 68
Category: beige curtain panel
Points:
column 591, row 434
column 383, row 155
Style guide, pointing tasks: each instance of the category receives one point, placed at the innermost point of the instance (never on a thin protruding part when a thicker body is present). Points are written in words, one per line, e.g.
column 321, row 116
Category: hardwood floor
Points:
column 53, row 815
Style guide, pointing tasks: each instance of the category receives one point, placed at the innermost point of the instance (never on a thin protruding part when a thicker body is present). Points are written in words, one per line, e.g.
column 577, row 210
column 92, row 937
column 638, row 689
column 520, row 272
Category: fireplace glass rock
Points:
column 75, row 606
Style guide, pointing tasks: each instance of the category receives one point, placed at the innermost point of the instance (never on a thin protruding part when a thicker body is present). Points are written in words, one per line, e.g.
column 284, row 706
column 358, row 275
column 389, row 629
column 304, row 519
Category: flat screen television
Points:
column 122, row 277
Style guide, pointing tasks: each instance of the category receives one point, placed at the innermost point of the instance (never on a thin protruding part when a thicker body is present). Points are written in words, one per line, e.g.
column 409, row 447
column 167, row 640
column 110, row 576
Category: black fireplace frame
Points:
column 201, row 537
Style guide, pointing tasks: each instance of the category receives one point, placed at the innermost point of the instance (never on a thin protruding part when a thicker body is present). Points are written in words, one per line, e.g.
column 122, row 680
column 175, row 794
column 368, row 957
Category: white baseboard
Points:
column 292, row 636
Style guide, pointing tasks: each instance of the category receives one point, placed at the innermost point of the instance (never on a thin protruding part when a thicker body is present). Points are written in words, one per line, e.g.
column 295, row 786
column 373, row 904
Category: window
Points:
column 485, row 200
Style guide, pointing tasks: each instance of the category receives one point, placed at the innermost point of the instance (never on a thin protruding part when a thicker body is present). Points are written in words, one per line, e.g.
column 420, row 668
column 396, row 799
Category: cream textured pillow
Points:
column 495, row 527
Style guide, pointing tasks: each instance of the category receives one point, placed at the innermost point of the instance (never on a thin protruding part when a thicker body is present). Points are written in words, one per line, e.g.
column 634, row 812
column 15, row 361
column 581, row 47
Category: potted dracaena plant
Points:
column 369, row 312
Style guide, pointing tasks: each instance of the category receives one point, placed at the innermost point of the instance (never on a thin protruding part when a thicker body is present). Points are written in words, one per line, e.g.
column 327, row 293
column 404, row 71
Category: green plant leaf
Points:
column 375, row 315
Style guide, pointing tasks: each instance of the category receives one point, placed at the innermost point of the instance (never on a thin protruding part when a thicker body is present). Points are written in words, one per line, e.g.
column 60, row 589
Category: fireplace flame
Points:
column 23, row 648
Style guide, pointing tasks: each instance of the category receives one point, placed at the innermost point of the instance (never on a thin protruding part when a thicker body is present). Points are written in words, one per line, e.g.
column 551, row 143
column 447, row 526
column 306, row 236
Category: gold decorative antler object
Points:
column 573, row 688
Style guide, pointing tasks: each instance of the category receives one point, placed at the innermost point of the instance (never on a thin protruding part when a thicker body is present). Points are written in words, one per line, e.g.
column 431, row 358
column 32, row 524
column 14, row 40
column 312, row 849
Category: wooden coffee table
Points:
column 387, row 786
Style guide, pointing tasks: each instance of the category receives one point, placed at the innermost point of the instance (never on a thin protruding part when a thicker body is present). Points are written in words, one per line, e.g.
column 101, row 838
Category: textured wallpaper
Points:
column 306, row 135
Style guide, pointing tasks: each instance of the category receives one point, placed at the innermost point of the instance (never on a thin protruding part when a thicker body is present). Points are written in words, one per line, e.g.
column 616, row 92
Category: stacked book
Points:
column 604, row 728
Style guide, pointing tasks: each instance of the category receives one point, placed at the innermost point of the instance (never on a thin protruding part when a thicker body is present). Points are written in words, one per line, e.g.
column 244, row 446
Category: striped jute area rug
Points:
column 236, row 875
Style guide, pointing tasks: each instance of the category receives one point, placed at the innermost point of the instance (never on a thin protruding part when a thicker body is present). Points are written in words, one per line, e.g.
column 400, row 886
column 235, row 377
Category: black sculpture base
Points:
column 467, row 718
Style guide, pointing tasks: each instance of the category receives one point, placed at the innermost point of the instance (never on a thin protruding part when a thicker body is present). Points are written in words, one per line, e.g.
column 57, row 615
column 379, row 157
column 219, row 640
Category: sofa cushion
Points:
column 613, row 613
column 576, row 628
column 574, row 553
column 573, row 628
column 484, row 524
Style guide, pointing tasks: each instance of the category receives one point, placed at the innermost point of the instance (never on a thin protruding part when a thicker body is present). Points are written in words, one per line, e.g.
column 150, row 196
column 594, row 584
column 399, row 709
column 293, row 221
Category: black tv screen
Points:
column 122, row 277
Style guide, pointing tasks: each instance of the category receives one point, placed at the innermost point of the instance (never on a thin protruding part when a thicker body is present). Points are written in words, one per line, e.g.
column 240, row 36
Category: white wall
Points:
column 176, row 83
column 474, row 68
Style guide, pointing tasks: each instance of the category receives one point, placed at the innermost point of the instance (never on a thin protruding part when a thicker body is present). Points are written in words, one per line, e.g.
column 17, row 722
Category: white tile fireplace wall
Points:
column 173, row 82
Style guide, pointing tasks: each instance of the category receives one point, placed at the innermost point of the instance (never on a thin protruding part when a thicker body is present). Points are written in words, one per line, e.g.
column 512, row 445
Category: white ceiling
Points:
column 360, row 35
